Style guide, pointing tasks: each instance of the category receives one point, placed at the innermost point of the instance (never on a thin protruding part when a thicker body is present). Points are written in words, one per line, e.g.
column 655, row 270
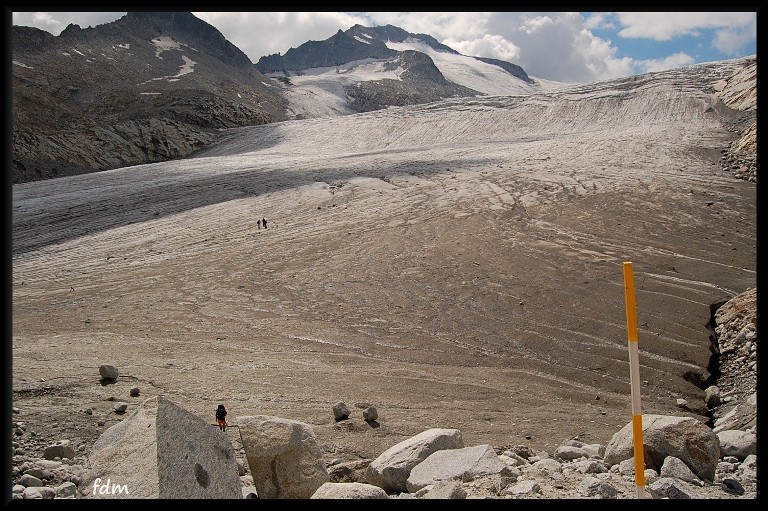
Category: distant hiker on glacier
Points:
column 264, row 222
column 258, row 223
column 221, row 417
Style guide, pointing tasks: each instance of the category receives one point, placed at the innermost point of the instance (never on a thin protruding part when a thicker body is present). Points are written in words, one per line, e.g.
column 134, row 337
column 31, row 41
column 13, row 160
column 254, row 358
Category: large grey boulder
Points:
column 391, row 469
column 464, row 464
column 284, row 457
column 674, row 467
column 734, row 442
column 685, row 438
column 161, row 451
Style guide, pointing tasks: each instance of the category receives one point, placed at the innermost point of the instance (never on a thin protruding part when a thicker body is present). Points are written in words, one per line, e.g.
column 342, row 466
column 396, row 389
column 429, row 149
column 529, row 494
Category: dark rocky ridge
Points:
column 421, row 82
column 343, row 47
column 510, row 68
column 338, row 49
column 107, row 97
column 398, row 35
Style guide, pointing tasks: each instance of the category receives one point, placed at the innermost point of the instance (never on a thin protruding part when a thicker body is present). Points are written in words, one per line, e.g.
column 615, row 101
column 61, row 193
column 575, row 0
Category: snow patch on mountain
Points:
column 319, row 92
column 475, row 74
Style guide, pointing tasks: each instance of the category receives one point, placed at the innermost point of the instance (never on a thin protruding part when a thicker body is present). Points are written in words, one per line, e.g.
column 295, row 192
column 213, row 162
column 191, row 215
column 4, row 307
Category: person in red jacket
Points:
column 221, row 417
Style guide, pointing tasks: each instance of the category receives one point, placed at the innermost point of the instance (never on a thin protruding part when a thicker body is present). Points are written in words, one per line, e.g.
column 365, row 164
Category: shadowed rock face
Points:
column 356, row 43
column 162, row 451
column 457, row 265
column 509, row 67
column 283, row 455
column 338, row 49
column 194, row 460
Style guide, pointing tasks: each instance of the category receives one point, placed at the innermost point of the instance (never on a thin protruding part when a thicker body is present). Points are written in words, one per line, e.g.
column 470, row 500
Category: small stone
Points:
column 370, row 414
column 108, row 372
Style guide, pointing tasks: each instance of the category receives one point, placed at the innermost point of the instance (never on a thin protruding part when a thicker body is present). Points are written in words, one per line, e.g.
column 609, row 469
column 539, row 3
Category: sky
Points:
column 572, row 47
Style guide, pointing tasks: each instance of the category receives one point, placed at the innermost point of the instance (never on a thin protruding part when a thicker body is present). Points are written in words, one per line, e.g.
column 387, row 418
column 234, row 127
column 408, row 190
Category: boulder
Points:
column 685, row 438
column 284, row 457
column 161, row 451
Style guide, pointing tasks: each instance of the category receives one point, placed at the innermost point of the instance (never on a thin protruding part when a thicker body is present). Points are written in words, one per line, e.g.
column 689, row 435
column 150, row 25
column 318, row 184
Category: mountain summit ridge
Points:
column 158, row 86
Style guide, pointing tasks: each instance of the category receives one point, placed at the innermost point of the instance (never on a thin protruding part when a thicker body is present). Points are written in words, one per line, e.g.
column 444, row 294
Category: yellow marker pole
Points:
column 634, row 378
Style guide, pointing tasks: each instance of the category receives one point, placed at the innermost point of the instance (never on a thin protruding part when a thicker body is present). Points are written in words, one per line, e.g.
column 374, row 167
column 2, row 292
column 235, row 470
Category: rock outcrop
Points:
column 283, row 455
column 149, row 87
column 162, row 451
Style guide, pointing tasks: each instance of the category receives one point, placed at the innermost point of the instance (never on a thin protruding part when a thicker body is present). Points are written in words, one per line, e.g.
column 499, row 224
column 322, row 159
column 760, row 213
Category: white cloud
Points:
column 676, row 60
column 45, row 19
column 558, row 46
column 537, row 24
column 55, row 22
column 730, row 41
column 259, row 34
column 663, row 26
column 602, row 20
column 440, row 25
column 494, row 46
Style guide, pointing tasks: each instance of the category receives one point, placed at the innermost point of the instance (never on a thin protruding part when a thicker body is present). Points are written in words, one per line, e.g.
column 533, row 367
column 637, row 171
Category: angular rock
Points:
column 593, row 487
column 737, row 443
column 161, row 451
column 108, row 372
column 283, row 455
column 390, row 470
column 340, row 411
column 446, row 490
column 675, row 467
column 61, row 450
column 670, row 488
column 463, row 464
column 685, row 438
column 370, row 414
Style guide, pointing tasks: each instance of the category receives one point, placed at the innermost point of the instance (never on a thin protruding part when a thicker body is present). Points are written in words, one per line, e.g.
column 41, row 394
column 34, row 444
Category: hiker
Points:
column 221, row 417
column 258, row 222
column 264, row 222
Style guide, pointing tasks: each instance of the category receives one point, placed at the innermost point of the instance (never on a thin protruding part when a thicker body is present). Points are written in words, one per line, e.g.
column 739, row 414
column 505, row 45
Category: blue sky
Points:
column 574, row 47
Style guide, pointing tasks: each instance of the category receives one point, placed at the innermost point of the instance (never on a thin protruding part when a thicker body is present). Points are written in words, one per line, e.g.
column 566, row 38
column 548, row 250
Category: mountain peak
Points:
column 186, row 27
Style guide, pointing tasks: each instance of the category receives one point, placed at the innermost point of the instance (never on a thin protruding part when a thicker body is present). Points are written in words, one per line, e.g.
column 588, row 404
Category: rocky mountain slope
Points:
column 360, row 43
column 369, row 68
column 157, row 86
column 740, row 94
column 148, row 87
